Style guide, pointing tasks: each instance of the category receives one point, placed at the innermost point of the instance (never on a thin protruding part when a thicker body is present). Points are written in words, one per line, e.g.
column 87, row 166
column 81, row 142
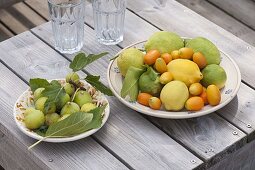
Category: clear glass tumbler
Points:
column 109, row 20
column 67, row 18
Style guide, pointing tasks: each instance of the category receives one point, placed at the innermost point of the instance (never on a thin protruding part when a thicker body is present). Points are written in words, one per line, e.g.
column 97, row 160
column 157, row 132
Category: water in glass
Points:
column 109, row 20
column 68, row 24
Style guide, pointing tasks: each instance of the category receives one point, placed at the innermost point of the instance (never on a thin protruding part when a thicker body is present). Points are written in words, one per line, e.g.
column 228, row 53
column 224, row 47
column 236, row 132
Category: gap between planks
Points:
column 20, row 17
column 241, row 10
column 221, row 18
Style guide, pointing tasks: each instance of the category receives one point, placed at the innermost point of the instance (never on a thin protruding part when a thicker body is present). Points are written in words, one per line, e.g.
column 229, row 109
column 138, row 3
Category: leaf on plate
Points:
column 42, row 130
column 81, row 60
column 94, row 81
column 130, row 84
column 54, row 91
column 74, row 124
column 37, row 83
column 97, row 118
column 114, row 57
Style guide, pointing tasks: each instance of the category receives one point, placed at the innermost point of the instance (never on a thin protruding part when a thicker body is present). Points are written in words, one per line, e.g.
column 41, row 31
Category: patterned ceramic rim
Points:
column 24, row 101
column 181, row 114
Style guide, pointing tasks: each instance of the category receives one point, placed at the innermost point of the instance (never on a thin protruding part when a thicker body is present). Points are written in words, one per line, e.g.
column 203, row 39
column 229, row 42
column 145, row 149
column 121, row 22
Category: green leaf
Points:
column 94, row 81
column 152, row 73
column 78, row 62
column 97, row 118
column 54, row 91
column 81, row 60
column 74, row 124
column 114, row 57
column 130, row 84
column 93, row 57
column 42, row 130
column 37, row 83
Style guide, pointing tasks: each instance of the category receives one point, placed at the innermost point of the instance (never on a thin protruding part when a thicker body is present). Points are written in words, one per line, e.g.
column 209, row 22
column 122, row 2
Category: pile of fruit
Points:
column 172, row 73
column 64, row 108
column 38, row 116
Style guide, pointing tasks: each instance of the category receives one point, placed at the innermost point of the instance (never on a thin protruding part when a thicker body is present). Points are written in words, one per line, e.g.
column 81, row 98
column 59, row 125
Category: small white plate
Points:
column 230, row 90
column 26, row 100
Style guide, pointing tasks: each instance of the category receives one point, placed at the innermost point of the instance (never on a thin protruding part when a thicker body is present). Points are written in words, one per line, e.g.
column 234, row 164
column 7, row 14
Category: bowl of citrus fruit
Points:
column 172, row 77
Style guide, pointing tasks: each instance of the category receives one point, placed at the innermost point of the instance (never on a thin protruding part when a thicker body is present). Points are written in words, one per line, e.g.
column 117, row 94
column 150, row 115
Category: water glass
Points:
column 109, row 20
column 67, row 18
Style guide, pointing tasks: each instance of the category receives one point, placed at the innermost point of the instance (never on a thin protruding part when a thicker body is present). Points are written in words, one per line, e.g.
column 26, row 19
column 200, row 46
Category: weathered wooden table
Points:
column 129, row 140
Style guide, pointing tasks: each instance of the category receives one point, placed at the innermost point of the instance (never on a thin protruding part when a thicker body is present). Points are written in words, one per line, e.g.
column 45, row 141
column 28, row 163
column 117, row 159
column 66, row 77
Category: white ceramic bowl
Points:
column 230, row 90
column 26, row 100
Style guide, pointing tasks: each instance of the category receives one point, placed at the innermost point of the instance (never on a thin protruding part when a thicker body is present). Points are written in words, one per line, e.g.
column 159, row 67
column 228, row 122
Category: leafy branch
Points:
column 94, row 81
column 80, row 61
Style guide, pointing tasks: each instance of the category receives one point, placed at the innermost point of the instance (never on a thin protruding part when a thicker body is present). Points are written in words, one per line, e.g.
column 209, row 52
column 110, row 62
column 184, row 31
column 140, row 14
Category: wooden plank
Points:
column 4, row 33
column 181, row 128
column 202, row 135
column 243, row 10
column 10, row 156
column 7, row 3
column 40, row 6
column 241, row 111
column 127, row 134
column 20, row 18
column 81, row 154
column 221, row 18
column 241, row 159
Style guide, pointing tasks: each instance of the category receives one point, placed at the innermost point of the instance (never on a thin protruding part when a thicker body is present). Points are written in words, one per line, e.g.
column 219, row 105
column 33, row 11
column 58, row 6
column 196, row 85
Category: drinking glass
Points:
column 109, row 20
column 67, row 17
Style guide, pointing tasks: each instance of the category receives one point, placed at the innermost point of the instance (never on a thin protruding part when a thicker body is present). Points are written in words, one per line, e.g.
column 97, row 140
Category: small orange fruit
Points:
column 155, row 103
column 194, row 103
column 203, row 95
column 213, row 95
column 195, row 89
column 199, row 59
column 143, row 98
column 186, row 53
column 175, row 54
column 160, row 65
column 167, row 57
column 151, row 56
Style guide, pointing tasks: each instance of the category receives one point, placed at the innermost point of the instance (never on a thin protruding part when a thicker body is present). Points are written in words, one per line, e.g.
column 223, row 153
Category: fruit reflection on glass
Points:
column 175, row 73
